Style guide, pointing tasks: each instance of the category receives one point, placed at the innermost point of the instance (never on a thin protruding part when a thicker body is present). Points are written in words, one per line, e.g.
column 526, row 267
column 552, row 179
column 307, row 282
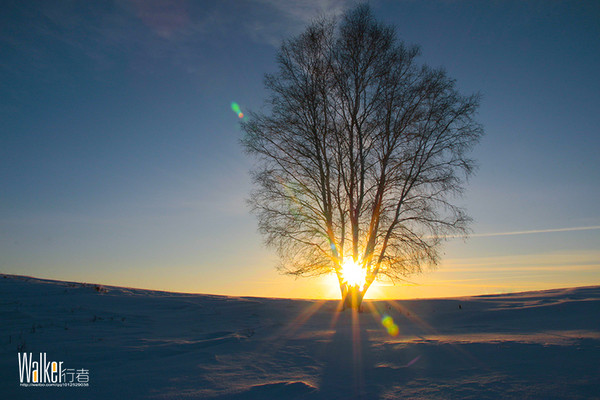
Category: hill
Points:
column 137, row 343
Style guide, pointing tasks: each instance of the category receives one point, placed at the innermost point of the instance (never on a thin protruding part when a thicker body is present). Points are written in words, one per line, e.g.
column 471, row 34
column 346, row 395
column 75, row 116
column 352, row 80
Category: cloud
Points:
column 279, row 20
column 534, row 231
column 550, row 261
column 133, row 33
column 48, row 38
column 305, row 11
column 164, row 17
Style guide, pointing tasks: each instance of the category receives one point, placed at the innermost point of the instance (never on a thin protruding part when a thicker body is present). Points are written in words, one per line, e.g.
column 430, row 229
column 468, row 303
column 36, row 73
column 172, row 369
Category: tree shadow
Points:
column 349, row 361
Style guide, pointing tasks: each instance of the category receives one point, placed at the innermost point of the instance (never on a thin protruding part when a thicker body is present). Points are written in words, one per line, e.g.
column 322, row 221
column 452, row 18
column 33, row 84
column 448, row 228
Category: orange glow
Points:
column 455, row 277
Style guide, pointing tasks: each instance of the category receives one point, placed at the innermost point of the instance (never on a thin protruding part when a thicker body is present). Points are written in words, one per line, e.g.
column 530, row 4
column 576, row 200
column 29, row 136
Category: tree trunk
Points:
column 352, row 297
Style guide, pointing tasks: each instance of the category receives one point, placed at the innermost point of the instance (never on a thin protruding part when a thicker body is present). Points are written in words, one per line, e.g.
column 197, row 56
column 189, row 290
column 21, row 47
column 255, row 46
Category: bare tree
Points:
column 359, row 155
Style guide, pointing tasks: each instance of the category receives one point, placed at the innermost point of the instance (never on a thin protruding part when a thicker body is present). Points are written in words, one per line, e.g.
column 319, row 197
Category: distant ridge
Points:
column 142, row 290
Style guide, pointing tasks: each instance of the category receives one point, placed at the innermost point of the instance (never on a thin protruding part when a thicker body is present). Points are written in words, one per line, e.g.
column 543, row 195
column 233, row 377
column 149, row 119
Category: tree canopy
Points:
column 360, row 154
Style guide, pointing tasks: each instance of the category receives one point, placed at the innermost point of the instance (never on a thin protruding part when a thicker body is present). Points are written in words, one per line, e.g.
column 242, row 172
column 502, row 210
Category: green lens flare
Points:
column 235, row 108
column 390, row 325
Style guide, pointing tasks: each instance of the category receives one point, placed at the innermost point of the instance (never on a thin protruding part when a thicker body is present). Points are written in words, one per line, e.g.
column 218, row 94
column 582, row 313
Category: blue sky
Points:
column 120, row 161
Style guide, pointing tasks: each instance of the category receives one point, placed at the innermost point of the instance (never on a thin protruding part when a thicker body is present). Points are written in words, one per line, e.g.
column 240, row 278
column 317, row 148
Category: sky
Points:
column 120, row 160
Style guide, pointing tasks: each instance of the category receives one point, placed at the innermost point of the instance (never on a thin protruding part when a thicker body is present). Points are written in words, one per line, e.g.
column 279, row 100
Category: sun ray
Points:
column 384, row 319
column 430, row 330
column 280, row 337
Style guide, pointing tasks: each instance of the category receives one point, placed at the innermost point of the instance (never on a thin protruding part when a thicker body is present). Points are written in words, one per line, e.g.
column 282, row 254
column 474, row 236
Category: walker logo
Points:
column 43, row 372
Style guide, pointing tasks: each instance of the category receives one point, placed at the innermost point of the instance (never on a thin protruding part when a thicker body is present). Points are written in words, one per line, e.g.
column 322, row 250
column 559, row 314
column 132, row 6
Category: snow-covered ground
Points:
column 134, row 343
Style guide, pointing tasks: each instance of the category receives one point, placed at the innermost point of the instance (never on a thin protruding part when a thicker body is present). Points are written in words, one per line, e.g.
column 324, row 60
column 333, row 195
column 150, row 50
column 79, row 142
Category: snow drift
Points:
column 148, row 344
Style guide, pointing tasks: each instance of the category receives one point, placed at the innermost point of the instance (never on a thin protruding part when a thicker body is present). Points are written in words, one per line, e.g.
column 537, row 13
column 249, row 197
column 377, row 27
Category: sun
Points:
column 353, row 273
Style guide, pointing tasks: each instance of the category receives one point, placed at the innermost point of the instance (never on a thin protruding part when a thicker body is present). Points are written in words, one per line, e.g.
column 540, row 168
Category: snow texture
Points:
column 159, row 345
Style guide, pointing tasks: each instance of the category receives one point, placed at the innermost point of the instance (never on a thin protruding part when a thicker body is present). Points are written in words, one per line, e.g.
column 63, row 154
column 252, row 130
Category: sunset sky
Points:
column 120, row 160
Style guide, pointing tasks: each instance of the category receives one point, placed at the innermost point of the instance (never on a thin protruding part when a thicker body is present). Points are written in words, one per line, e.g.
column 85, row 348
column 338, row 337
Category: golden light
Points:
column 353, row 273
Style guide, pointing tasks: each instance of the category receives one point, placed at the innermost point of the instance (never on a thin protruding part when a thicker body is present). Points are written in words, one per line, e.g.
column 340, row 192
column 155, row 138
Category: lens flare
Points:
column 353, row 273
column 390, row 325
column 387, row 321
column 235, row 107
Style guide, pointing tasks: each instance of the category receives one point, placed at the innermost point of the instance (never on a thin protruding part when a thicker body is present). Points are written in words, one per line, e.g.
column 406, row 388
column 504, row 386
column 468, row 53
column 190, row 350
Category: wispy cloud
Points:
column 534, row 231
column 141, row 34
column 564, row 260
column 305, row 11
column 499, row 274
column 279, row 20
